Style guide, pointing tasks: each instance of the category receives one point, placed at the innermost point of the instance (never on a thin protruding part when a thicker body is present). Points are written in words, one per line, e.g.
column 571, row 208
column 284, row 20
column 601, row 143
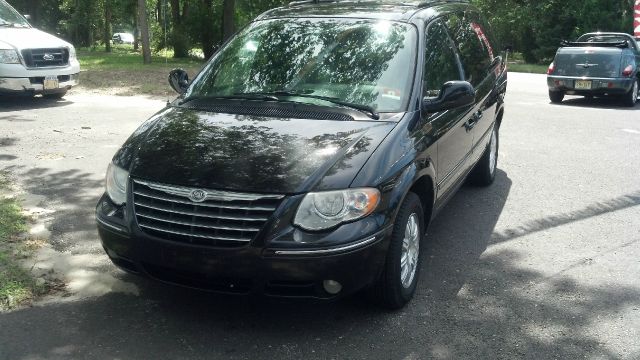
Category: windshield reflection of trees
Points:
column 242, row 152
column 354, row 61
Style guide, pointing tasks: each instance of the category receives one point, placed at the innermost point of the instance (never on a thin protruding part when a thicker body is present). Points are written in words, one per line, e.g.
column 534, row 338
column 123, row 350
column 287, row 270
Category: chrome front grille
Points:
column 41, row 58
column 224, row 219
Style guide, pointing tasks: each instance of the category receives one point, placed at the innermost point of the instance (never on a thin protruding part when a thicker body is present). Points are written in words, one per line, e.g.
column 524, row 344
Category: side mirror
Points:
column 179, row 80
column 27, row 16
column 453, row 94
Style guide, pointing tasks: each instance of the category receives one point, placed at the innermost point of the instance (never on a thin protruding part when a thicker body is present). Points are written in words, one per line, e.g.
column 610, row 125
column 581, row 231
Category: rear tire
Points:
column 556, row 97
column 484, row 172
column 399, row 279
column 631, row 97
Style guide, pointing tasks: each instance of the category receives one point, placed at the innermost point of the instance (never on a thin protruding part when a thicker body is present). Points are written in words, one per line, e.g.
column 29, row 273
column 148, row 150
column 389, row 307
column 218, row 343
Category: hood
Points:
column 30, row 38
column 250, row 153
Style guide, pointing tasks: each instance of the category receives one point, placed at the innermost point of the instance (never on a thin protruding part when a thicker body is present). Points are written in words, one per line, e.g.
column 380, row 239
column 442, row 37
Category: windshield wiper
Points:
column 238, row 96
column 372, row 112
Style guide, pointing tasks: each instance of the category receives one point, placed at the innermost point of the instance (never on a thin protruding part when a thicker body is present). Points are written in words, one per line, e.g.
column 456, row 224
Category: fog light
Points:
column 331, row 286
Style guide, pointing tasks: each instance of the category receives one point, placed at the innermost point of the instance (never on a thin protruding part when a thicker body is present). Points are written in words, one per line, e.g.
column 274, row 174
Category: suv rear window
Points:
column 358, row 61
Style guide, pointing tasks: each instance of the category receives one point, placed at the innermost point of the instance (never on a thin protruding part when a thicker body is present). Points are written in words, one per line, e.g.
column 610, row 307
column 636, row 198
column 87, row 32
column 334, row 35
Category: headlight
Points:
column 323, row 210
column 9, row 57
column 72, row 53
column 117, row 179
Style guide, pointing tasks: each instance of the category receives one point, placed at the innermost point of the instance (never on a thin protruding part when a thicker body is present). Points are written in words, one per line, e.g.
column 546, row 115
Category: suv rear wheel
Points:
column 631, row 97
column 399, row 279
column 485, row 170
column 556, row 97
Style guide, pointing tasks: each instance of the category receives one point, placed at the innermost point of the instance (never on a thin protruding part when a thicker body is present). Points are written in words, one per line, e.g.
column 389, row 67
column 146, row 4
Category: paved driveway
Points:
column 543, row 264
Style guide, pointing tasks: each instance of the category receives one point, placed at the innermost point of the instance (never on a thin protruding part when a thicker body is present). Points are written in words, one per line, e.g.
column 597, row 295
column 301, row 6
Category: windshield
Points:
column 362, row 62
column 10, row 17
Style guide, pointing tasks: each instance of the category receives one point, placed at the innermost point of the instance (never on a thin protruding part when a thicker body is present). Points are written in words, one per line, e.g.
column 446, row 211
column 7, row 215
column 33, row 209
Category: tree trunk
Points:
column 208, row 30
column 107, row 26
column 228, row 19
column 179, row 38
column 144, row 30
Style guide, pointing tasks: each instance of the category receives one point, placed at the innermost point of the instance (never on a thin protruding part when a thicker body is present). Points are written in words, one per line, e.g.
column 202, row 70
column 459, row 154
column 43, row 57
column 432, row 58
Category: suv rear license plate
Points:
column 583, row 85
column 50, row 82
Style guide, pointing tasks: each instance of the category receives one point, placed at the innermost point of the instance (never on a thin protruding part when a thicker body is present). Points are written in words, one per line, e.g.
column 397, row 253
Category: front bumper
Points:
column 35, row 85
column 17, row 79
column 599, row 86
column 251, row 269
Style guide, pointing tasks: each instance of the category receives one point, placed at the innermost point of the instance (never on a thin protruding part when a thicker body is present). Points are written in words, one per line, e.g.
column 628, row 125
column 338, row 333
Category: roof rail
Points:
column 415, row 3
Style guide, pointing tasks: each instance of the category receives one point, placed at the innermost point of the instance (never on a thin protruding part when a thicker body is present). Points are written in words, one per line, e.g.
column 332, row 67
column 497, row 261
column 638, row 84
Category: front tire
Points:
column 631, row 97
column 399, row 279
column 556, row 97
column 484, row 172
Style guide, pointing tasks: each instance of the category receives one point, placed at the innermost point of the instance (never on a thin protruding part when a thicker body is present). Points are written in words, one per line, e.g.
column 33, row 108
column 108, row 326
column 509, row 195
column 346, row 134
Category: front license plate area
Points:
column 50, row 82
column 583, row 85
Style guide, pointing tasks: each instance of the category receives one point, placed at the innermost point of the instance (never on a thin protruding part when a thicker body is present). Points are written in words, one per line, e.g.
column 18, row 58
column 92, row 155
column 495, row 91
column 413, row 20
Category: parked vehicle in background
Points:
column 308, row 157
column 596, row 64
column 122, row 38
column 32, row 61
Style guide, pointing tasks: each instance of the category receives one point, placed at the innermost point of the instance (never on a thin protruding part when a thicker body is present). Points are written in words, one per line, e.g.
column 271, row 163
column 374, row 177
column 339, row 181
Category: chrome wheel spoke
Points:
column 410, row 249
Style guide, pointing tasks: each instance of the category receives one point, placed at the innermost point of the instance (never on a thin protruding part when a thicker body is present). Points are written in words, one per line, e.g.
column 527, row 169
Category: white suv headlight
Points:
column 72, row 53
column 117, row 180
column 324, row 210
column 9, row 57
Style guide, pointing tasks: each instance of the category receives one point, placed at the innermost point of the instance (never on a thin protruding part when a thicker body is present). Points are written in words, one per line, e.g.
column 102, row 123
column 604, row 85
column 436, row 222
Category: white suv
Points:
column 32, row 61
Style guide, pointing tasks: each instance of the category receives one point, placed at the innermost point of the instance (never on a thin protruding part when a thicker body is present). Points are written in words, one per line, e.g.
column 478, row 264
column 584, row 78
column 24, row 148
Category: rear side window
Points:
column 440, row 59
column 475, row 49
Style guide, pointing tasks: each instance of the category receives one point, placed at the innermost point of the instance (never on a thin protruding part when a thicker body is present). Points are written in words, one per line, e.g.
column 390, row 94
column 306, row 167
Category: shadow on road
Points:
column 469, row 305
column 17, row 103
column 74, row 194
column 608, row 103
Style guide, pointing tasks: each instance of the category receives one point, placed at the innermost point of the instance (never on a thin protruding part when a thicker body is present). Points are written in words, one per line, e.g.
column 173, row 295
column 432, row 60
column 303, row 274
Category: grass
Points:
column 121, row 72
column 528, row 68
column 17, row 285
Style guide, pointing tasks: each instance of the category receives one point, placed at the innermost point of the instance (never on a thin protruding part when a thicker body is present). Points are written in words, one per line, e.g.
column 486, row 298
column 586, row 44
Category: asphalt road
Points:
column 545, row 264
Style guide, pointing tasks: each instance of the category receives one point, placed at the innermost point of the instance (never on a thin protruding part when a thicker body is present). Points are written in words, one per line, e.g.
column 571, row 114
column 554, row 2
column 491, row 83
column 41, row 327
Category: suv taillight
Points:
column 551, row 69
column 627, row 71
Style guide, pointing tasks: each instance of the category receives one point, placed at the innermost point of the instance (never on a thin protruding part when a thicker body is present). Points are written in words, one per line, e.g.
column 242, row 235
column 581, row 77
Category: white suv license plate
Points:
column 583, row 85
column 50, row 82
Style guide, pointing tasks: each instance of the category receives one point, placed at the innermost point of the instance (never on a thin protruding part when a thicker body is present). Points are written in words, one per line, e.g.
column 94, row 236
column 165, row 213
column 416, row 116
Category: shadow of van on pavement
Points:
column 469, row 304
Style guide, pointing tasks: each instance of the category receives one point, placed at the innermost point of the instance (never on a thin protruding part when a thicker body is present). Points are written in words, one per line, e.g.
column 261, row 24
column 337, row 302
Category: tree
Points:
column 144, row 31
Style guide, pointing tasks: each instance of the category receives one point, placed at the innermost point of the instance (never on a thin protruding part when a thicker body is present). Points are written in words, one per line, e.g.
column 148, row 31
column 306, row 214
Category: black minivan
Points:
column 309, row 155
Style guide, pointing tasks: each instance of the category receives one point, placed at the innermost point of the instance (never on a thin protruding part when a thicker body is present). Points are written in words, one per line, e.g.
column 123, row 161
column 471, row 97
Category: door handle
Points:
column 478, row 115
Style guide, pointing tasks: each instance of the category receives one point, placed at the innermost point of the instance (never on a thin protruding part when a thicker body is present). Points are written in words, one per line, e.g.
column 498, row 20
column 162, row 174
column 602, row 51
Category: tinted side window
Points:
column 473, row 45
column 440, row 60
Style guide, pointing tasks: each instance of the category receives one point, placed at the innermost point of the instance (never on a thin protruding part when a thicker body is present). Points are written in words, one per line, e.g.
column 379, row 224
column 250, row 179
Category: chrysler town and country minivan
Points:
column 309, row 155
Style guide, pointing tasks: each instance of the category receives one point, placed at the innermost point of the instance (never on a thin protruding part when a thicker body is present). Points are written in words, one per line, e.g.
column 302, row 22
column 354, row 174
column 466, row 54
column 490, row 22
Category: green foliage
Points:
column 534, row 28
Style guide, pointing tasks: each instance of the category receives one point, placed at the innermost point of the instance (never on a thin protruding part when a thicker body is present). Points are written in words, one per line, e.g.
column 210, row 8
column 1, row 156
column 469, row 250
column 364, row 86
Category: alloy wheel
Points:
column 410, row 251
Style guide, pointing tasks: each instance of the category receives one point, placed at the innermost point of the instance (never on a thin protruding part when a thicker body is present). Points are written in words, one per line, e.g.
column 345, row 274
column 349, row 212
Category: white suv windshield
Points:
column 9, row 17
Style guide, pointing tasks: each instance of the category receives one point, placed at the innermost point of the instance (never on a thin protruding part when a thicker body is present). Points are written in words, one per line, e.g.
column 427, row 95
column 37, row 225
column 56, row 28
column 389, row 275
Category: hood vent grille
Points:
column 267, row 109
column 217, row 219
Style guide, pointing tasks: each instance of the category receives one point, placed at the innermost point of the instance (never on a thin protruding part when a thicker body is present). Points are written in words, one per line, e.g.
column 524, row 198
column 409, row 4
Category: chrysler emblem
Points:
column 198, row 195
column 48, row 57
